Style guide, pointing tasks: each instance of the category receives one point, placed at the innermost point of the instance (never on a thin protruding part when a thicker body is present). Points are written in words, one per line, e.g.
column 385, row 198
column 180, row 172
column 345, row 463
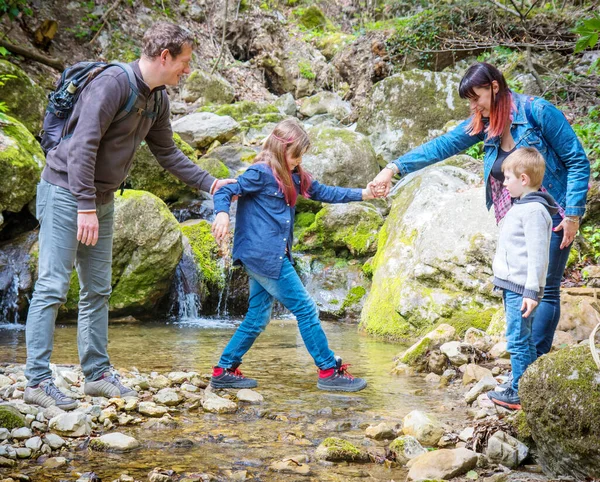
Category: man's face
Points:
column 175, row 67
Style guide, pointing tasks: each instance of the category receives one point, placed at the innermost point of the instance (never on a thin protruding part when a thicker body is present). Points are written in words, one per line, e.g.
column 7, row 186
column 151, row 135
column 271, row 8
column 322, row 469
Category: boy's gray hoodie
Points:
column 521, row 261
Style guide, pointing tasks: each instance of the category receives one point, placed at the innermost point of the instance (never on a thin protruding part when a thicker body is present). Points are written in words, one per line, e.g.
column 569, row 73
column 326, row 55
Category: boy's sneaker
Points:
column 230, row 378
column 338, row 379
column 509, row 398
column 47, row 394
column 506, row 384
column 108, row 386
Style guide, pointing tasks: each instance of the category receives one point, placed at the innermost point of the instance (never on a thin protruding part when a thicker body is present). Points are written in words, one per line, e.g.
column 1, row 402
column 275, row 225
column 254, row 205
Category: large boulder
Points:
column 340, row 157
column 410, row 108
column 21, row 163
column 250, row 115
column 326, row 103
column 206, row 88
column 24, row 99
column 434, row 257
column 560, row 394
column 201, row 129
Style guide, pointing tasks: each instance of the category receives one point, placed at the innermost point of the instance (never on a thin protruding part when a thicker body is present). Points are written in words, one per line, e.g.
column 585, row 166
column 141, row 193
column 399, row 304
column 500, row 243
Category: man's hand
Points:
column 368, row 193
column 528, row 305
column 569, row 229
column 220, row 227
column 382, row 183
column 222, row 182
column 87, row 228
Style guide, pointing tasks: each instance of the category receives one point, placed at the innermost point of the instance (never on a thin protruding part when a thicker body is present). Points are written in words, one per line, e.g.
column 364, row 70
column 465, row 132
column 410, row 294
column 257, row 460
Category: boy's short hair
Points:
column 164, row 35
column 526, row 160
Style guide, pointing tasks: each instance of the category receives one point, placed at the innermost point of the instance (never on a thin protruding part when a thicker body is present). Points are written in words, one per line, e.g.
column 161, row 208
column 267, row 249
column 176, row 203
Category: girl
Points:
column 263, row 245
column 506, row 121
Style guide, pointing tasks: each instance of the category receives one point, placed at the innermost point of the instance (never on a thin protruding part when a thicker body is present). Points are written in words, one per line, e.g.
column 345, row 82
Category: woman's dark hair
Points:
column 481, row 75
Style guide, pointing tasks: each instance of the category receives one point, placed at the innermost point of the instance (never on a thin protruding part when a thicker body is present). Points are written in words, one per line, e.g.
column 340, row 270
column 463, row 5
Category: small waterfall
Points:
column 185, row 297
column 222, row 311
column 9, row 306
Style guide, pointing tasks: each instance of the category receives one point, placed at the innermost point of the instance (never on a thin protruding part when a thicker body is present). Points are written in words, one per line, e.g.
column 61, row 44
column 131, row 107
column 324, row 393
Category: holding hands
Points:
column 220, row 227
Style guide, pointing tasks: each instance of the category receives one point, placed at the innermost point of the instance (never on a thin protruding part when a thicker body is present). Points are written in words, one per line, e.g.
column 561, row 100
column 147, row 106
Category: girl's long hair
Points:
column 481, row 75
column 288, row 139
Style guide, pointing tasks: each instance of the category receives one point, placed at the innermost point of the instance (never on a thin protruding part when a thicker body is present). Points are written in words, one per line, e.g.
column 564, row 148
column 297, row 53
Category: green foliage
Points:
column 588, row 131
column 588, row 33
column 476, row 151
column 592, row 236
column 13, row 8
column 3, row 79
column 306, row 70
column 311, row 18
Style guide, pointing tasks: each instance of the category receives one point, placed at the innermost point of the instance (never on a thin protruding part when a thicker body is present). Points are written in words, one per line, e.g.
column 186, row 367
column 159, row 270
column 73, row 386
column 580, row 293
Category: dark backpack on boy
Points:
column 68, row 89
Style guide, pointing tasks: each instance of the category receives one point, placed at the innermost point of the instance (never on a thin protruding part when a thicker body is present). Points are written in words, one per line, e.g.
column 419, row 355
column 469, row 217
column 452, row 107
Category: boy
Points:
column 521, row 262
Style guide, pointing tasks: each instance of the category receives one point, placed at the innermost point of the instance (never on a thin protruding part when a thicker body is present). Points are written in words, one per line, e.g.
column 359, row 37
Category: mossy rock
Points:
column 312, row 18
column 10, row 417
column 214, row 167
column 205, row 252
column 335, row 449
column 202, row 87
column 250, row 115
column 25, row 100
column 235, row 157
column 148, row 175
column 331, row 43
column 560, row 395
column 21, row 163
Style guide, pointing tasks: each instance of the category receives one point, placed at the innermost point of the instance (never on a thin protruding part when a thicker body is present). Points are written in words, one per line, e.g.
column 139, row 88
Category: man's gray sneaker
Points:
column 47, row 394
column 109, row 386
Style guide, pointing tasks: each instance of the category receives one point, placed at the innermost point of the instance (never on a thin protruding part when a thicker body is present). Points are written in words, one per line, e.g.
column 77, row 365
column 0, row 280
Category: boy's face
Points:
column 516, row 185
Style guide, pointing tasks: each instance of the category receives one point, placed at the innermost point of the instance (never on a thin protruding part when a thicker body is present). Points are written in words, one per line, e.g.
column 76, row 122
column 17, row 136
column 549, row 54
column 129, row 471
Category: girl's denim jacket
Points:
column 567, row 166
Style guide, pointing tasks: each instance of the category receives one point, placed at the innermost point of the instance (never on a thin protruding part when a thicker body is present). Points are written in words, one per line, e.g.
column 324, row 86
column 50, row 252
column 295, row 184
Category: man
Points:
column 75, row 206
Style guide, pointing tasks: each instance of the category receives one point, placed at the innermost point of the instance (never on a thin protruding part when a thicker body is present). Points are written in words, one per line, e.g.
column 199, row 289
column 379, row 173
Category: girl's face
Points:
column 482, row 101
column 293, row 162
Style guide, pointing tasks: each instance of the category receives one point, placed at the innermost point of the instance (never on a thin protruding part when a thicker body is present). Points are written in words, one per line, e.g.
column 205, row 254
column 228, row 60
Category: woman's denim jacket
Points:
column 567, row 166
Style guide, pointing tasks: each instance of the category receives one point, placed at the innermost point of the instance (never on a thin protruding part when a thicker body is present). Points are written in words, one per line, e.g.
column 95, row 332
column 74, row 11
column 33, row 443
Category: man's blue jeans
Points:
column 59, row 251
column 519, row 339
column 548, row 311
column 289, row 291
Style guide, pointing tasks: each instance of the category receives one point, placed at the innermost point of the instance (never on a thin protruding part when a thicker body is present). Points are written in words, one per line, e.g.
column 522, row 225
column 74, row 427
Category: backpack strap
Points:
column 127, row 109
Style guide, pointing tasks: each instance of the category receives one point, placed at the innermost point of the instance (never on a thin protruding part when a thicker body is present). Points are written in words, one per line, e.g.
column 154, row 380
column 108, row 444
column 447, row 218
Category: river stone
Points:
column 433, row 378
column 453, row 351
column 424, row 427
column 131, row 404
column 506, row 450
column 419, row 278
column 5, row 381
column 437, row 362
column 466, row 434
column 159, row 382
column 34, row 443
column 114, row 442
column 55, row 463
column 54, row 441
column 499, row 350
column 168, row 397
column 10, row 417
column 325, row 102
column 559, row 393
column 21, row 163
column 180, row 377
column 250, row 396
column 203, row 87
column 24, row 98
column 5, row 462
column 71, row 424
column 406, row 448
column 290, row 466
column 383, row 431
column 483, row 385
column 22, row 433
column 150, row 409
column 479, row 339
column 474, row 373
column 417, row 353
column 201, row 129
column 215, row 404
column 23, row 452
column 335, row 449
column 340, row 157
column 442, row 464
column 409, row 108
column 4, row 434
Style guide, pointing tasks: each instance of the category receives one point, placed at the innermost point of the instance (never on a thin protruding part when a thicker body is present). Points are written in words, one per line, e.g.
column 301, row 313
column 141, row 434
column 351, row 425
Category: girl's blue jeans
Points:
column 548, row 311
column 519, row 338
column 291, row 293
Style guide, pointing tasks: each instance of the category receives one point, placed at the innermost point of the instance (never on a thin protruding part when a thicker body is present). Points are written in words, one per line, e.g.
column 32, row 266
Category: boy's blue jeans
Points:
column 289, row 291
column 548, row 311
column 519, row 338
column 59, row 251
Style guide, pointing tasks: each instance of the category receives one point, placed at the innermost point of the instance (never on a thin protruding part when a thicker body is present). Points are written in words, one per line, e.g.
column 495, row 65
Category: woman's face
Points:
column 482, row 101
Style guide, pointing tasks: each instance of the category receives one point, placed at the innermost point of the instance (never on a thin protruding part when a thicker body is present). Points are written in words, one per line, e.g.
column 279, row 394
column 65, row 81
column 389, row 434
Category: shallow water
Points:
column 287, row 423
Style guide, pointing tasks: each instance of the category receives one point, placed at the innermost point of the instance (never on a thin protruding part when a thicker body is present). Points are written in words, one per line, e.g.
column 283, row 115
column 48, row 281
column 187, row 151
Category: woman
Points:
column 505, row 121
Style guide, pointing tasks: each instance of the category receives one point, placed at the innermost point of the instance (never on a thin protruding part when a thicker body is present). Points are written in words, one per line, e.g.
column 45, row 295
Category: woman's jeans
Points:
column 548, row 311
column 519, row 340
column 59, row 251
column 289, row 291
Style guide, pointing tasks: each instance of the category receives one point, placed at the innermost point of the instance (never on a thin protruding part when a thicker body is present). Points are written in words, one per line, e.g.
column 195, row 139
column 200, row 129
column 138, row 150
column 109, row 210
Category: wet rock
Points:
column 506, row 450
column 474, row 373
column 437, row 362
column 55, row 463
column 54, row 441
column 250, row 396
column 34, row 443
column 72, row 424
column 88, row 477
column 114, row 442
column 483, row 385
column 383, row 431
column 10, row 417
column 425, row 428
column 406, row 448
column 453, row 351
column 416, row 354
column 4, row 434
column 180, row 377
column 21, row 433
column 109, row 413
column 215, row 404
column 201, row 129
column 479, row 339
column 433, row 378
column 150, row 409
column 442, row 464
column 335, row 449
column 23, row 452
column 168, row 397
column 162, row 475
column 5, row 462
column 290, row 466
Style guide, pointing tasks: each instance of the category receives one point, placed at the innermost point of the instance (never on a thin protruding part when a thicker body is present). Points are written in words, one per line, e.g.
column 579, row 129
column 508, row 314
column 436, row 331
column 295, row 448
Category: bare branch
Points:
column 222, row 39
column 104, row 19
column 505, row 8
column 31, row 54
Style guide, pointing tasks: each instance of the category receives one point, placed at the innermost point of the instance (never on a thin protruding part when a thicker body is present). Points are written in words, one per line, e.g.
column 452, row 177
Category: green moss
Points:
column 304, row 220
column 311, row 18
column 214, row 167
column 10, row 417
column 519, row 423
column 205, row 251
column 97, row 445
column 332, row 43
column 417, row 352
column 354, row 296
column 336, row 449
column 475, row 316
column 367, row 268
column 72, row 294
column 248, row 114
column 306, row 71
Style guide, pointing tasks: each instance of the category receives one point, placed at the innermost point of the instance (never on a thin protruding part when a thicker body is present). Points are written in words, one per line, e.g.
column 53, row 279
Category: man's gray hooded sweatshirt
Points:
column 95, row 160
column 521, row 261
